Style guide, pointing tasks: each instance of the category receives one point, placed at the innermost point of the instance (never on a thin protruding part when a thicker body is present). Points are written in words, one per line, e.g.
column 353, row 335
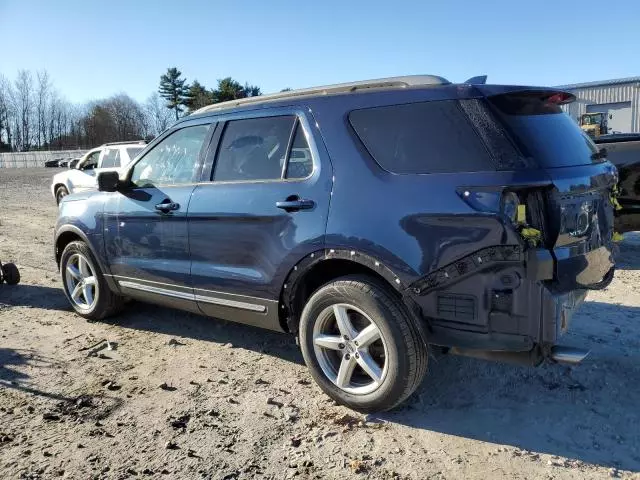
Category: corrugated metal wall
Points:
column 626, row 92
column 35, row 159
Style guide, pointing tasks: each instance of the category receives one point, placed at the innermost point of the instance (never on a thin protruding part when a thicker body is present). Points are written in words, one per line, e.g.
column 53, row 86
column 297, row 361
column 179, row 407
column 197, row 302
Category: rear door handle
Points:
column 295, row 203
column 167, row 206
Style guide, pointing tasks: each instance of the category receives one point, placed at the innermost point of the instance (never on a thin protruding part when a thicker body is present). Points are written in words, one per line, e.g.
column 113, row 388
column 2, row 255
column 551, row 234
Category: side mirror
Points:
column 108, row 181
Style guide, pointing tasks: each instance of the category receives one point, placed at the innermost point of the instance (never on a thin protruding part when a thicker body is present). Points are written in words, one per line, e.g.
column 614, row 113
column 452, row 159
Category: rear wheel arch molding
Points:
column 301, row 280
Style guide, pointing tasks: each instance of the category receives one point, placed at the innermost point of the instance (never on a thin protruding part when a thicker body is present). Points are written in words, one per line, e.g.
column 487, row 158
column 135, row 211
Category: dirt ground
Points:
column 175, row 395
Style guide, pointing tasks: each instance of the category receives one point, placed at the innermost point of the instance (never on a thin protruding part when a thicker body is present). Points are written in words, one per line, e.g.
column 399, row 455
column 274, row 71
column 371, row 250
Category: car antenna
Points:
column 479, row 80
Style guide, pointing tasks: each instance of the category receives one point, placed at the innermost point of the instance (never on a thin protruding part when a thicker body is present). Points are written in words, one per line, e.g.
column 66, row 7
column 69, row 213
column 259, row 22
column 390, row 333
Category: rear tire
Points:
column 380, row 362
column 61, row 192
column 85, row 285
column 10, row 273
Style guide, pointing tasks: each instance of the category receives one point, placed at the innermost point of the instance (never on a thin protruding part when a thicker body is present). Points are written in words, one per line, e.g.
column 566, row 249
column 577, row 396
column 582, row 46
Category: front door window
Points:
column 174, row 161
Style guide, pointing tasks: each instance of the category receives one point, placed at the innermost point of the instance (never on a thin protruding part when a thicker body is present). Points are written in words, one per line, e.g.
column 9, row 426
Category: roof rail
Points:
column 390, row 82
column 141, row 142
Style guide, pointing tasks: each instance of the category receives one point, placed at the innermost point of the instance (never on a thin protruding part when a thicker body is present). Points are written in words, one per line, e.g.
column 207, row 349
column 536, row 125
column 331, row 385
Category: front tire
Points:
column 85, row 285
column 10, row 274
column 361, row 345
column 61, row 192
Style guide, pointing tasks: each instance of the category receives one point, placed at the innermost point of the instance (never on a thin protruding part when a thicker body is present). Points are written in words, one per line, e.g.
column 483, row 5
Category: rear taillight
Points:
column 509, row 205
column 504, row 202
column 512, row 206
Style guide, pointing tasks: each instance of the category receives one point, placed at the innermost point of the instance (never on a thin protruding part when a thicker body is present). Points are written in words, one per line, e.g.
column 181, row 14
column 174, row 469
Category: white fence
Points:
column 35, row 159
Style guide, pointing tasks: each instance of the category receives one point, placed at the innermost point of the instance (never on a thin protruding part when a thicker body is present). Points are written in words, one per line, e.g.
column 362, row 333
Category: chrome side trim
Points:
column 118, row 277
column 231, row 303
column 190, row 296
column 159, row 291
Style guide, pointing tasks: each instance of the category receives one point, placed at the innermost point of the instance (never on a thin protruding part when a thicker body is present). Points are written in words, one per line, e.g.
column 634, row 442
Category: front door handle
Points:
column 167, row 206
column 294, row 203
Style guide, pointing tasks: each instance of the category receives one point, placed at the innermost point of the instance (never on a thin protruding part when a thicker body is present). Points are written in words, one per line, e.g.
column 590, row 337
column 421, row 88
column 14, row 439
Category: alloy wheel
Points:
column 81, row 282
column 350, row 349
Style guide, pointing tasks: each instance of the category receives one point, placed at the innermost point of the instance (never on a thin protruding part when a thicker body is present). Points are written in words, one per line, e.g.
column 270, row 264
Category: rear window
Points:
column 543, row 131
column 426, row 137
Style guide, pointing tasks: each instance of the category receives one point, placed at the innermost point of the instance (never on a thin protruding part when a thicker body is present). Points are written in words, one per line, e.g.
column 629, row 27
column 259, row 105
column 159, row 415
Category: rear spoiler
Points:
column 544, row 94
column 479, row 80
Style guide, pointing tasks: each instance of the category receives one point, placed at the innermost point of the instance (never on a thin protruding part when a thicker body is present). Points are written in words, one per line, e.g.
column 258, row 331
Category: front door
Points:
column 265, row 209
column 83, row 177
column 145, row 236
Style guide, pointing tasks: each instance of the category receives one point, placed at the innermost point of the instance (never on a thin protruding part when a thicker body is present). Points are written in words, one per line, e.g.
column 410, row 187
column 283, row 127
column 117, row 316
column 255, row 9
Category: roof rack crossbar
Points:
column 398, row 82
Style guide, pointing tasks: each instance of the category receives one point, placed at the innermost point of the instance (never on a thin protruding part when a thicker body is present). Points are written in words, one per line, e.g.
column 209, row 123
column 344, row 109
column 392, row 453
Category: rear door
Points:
column 263, row 210
column 146, row 236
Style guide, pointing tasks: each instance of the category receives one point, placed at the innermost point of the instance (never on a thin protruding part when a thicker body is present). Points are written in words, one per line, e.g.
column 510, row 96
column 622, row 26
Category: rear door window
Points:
column 300, row 163
column 425, row 137
column 254, row 149
column 543, row 131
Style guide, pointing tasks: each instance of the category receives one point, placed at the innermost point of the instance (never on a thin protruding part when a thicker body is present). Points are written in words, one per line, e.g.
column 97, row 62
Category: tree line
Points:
column 184, row 98
column 35, row 116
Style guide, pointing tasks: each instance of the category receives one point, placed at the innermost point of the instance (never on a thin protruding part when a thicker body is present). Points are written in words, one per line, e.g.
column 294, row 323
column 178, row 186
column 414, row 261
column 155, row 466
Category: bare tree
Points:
column 23, row 101
column 159, row 117
column 127, row 115
column 43, row 93
column 6, row 113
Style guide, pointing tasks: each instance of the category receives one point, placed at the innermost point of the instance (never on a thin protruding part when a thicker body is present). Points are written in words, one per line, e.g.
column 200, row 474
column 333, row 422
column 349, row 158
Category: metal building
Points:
column 618, row 98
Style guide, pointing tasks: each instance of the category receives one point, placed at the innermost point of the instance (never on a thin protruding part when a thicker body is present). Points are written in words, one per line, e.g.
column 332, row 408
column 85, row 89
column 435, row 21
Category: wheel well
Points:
column 63, row 240
column 58, row 185
column 316, row 276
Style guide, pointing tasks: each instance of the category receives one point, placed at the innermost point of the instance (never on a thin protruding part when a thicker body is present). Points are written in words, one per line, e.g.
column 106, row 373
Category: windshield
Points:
column 133, row 152
column 543, row 131
column 592, row 119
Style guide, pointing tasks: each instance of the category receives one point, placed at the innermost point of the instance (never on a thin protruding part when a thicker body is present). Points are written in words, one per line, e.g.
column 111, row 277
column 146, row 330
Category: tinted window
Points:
column 428, row 137
column 133, row 152
column 300, row 162
column 111, row 158
column 253, row 149
column 173, row 161
column 543, row 132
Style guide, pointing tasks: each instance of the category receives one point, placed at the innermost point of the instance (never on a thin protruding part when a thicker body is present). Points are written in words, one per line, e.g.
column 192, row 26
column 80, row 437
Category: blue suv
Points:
column 374, row 221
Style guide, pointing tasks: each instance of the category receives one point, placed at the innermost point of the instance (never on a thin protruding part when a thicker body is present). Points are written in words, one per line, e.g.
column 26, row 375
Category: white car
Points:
column 110, row 156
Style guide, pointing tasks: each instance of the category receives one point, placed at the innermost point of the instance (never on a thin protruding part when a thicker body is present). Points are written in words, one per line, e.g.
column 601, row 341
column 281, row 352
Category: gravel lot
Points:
column 237, row 402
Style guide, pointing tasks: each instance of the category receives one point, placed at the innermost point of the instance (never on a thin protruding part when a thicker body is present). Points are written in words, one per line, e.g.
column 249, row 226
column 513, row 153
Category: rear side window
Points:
column 426, row 137
column 111, row 158
column 254, row 149
column 543, row 131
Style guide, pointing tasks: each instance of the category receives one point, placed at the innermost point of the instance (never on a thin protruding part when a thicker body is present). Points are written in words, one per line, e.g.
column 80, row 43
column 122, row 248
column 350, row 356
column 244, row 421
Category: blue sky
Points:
column 93, row 49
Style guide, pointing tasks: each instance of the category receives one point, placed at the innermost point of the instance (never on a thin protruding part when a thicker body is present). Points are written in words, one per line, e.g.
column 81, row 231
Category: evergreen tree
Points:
column 251, row 90
column 174, row 90
column 229, row 89
column 198, row 96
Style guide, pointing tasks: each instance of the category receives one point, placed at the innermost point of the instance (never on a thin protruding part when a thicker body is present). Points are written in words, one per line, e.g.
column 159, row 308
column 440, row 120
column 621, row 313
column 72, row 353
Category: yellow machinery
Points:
column 594, row 124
